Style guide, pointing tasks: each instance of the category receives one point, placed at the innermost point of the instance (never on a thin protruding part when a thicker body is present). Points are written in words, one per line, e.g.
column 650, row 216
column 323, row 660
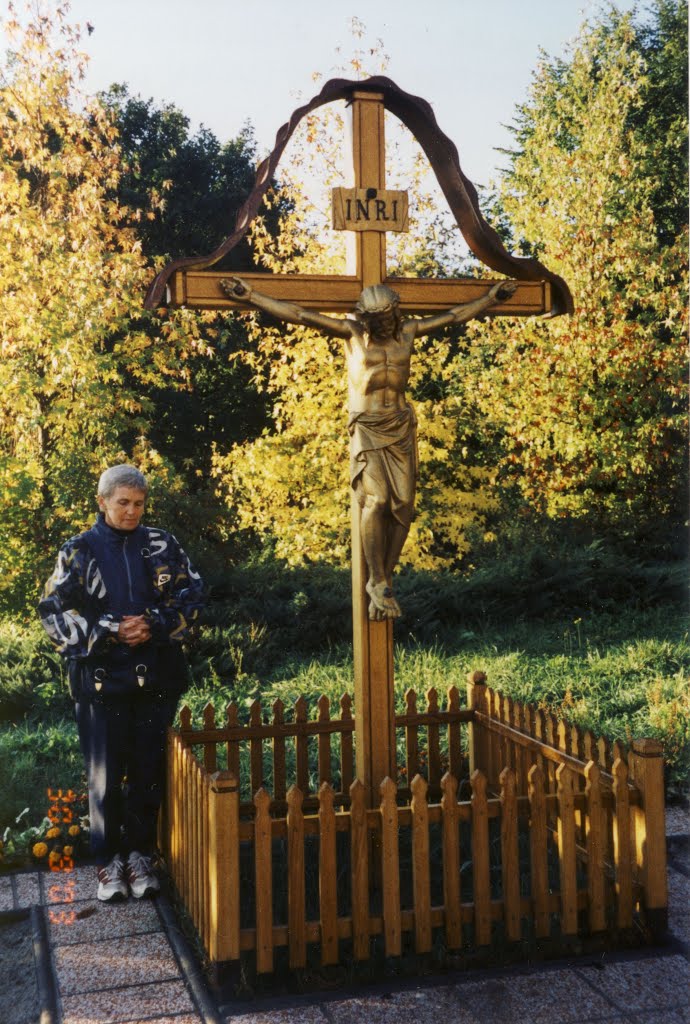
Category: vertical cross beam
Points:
column 372, row 641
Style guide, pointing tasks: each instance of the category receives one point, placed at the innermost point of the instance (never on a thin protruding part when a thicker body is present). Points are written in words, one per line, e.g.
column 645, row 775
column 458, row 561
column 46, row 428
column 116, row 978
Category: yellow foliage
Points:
column 592, row 409
column 74, row 362
column 291, row 485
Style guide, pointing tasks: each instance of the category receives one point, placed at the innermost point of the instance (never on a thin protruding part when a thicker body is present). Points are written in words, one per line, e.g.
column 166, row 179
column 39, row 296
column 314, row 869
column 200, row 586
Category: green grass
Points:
column 601, row 639
column 623, row 676
column 36, row 756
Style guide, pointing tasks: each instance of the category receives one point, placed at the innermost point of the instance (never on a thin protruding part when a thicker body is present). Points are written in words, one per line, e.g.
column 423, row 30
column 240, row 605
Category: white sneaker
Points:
column 142, row 881
column 112, row 885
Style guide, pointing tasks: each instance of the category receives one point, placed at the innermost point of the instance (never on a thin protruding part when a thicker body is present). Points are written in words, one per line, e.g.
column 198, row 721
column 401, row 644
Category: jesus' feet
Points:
column 382, row 604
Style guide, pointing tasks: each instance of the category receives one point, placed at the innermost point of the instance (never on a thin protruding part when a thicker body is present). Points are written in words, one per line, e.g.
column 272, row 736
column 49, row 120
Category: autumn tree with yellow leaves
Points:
column 583, row 417
column 74, row 360
column 587, row 415
column 290, row 486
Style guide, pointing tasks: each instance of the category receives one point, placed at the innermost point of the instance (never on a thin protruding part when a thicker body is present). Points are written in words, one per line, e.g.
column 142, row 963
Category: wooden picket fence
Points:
column 556, row 833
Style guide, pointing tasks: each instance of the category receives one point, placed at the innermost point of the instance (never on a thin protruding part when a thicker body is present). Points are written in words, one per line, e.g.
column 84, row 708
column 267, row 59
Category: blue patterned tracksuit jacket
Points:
column 77, row 611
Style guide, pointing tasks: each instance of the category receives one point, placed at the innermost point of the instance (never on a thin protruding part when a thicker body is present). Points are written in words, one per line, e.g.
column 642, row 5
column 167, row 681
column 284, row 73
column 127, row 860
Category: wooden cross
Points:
column 372, row 641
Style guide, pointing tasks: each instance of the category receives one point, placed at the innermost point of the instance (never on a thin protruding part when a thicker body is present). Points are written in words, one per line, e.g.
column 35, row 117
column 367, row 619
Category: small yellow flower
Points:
column 54, row 857
column 73, row 830
column 53, row 833
column 40, row 850
column 68, row 851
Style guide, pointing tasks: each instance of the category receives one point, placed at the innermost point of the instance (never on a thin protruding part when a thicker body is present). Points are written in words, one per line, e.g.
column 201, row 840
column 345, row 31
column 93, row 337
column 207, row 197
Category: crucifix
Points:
column 378, row 297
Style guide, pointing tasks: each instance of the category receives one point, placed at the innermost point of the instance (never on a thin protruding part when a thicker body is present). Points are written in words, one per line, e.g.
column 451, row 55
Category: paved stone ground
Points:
column 123, row 963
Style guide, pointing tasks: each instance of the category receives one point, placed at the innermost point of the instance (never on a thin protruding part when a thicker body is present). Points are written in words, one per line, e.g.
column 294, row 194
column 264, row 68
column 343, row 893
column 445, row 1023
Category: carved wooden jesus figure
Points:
column 382, row 424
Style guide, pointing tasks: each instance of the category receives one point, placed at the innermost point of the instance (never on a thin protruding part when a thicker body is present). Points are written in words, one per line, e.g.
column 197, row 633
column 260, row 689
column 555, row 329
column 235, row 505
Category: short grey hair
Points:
column 121, row 476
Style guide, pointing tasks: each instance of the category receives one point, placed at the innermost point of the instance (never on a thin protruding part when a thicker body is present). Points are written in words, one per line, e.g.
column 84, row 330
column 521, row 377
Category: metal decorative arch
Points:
column 417, row 115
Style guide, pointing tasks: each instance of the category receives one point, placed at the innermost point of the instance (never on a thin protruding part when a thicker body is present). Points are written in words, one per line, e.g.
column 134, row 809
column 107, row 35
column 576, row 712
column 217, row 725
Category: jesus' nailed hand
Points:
column 382, row 424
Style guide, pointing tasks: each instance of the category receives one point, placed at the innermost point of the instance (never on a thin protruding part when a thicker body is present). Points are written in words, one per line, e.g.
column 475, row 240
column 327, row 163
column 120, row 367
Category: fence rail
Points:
column 550, row 831
column 306, row 752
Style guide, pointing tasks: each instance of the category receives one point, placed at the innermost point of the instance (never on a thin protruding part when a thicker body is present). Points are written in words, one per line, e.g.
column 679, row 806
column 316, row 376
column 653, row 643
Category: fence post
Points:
column 210, row 756
column 411, row 737
column 263, row 881
column 297, row 934
column 481, row 878
column 451, row 862
column 224, row 868
column 359, row 861
column 476, row 701
column 595, row 839
column 647, row 772
column 454, row 741
column 567, row 851
column 256, row 754
column 279, row 775
column 390, row 863
column 166, row 817
column 621, row 844
column 510, row 858
column 324, row 740
column 346, row 752
column 328, row 876
column 538, row 841
column 187, row 860
column 420, row 865
column 432, row 741
column 177, row 836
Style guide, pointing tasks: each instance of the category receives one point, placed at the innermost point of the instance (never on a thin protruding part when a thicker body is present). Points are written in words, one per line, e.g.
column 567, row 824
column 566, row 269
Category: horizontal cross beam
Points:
column 200, row 289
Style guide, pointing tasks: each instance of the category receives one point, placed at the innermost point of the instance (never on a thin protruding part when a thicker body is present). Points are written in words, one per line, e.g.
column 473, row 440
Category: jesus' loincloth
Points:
column 385, row 444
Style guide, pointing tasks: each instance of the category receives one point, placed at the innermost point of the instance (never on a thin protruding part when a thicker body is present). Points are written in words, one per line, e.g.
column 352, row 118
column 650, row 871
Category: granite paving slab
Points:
column 114, row 1005
column 424, row 1006
column 494, row 999
column 653, row 983
column 134, row 960
column 677, row 821
column 71, row 886
column 679, row 905
column 89, row 921
column 294, row 1015
column 185, row 1018
column 664, row 1017
column 114, row 965
column 564, row 993
column 28, row 890
column 6, row 894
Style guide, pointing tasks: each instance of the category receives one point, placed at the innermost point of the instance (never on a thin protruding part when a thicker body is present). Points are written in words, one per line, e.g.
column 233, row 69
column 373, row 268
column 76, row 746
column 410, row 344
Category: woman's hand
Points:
column 134, row 630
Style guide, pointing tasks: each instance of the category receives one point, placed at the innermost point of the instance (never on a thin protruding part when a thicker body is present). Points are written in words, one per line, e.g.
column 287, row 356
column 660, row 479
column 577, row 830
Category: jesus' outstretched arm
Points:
column 290, row 312
column 467, row 311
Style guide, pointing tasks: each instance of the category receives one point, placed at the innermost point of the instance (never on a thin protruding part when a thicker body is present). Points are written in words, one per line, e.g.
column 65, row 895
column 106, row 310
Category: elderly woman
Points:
column 122, row 600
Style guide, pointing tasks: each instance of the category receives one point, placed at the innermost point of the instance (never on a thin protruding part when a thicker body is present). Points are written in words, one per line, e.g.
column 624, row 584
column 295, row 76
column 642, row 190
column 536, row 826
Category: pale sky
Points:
column 223, row 62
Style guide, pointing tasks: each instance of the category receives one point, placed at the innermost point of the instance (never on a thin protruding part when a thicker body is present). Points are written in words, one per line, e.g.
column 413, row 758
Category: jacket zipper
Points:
column 129, row 575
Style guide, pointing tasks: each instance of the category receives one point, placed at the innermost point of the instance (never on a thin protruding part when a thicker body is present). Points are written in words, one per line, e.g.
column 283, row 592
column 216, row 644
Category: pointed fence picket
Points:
column 564, row 831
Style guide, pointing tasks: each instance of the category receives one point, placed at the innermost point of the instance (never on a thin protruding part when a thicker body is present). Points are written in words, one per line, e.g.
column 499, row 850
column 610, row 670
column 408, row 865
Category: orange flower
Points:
column 68, row 851
column 40, row 850
column 54, row 857
column 52, row 833
column 73, row 830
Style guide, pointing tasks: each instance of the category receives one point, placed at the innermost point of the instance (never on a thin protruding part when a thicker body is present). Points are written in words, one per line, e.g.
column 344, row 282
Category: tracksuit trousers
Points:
column 123, row 745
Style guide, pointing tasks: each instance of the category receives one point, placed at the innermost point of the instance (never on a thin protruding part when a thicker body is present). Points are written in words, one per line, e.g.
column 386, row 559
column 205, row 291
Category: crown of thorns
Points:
column 378, row 298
